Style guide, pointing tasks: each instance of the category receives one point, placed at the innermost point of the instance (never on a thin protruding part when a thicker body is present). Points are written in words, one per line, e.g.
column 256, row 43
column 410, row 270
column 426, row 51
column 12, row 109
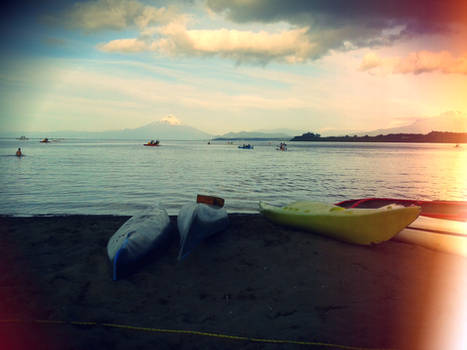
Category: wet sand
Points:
column 255, row 280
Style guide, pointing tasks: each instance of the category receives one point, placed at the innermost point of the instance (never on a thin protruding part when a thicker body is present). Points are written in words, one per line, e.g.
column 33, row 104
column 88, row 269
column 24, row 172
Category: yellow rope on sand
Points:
column 190, row 332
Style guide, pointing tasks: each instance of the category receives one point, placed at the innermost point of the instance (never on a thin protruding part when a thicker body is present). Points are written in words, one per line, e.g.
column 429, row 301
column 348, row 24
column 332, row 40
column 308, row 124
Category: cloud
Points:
column 416, row 63
column 370, row 61
column 294, row 45
column 425, row 61
column 344, row 25
column 308, row 37
column 313, row 29
column 124, row 45
column 116, row 15
column 288, row 45
column 429, row 14
column 242, row 46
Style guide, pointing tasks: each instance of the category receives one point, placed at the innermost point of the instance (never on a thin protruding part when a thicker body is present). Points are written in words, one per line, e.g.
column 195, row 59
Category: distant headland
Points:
column 432, row 137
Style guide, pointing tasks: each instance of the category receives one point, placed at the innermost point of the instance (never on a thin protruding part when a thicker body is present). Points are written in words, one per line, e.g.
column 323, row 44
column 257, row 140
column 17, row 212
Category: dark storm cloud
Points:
column 335, row 13
column 349, row 24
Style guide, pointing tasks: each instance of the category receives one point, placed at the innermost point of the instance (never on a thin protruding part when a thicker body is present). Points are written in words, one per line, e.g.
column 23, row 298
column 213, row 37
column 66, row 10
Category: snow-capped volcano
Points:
column 169, row 127
column 171, row 120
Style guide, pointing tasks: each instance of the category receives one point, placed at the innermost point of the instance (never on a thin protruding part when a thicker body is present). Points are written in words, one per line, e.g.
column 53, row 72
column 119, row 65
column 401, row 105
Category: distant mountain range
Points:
column 450, row 121
column 169, row 128
column 155, row 130
column 446, row 122
column 163, row 130
column 259, row 134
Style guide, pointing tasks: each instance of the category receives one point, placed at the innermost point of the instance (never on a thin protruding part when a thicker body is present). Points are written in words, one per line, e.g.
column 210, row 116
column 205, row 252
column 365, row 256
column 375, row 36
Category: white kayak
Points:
column 136, row 238
column 198, row 221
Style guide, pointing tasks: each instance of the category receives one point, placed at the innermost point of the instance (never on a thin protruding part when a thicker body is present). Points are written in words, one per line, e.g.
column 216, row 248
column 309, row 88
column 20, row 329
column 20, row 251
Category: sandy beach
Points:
column 255, row 280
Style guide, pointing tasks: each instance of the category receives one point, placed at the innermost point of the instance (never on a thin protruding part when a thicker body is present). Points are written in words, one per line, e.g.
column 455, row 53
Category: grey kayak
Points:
column 136, row 238
column 196, row 222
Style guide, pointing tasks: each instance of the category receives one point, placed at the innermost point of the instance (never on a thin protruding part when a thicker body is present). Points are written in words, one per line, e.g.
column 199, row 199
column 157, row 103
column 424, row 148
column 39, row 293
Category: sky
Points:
column 231, row 65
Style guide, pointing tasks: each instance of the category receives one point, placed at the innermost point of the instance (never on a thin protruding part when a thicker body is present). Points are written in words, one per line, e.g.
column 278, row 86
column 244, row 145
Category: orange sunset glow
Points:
column 233, row 174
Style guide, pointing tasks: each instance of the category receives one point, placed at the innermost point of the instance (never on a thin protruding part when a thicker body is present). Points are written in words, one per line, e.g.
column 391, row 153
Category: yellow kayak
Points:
column 359, row 226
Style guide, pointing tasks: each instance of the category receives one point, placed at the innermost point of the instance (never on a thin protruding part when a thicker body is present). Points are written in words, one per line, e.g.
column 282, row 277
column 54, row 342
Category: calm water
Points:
column 122, row 177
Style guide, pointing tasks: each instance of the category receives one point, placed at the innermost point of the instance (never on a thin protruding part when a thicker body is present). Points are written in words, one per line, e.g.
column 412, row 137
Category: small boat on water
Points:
column 152, row 143
column 45, row 140
column 246, row 146
column 282, row 147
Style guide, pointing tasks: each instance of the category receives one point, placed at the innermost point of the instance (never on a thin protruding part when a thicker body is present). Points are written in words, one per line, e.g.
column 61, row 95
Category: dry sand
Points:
column 254, row 280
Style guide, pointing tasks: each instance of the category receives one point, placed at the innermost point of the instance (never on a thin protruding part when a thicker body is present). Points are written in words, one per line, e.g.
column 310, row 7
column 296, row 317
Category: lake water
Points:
column 74, row 176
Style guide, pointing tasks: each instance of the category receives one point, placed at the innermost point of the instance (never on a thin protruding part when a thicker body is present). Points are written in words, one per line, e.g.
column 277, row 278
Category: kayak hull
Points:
column 440, row 227
column 358, row 226
column 450, row 210
column 136, row 238
column 196, row 222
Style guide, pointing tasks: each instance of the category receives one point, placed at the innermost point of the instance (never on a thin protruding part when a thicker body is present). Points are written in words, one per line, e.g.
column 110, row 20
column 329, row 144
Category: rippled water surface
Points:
column 122, row 177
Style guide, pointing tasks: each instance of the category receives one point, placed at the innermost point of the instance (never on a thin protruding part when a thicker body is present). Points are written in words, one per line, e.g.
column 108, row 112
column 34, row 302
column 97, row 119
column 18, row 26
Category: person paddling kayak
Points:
column 18, row 152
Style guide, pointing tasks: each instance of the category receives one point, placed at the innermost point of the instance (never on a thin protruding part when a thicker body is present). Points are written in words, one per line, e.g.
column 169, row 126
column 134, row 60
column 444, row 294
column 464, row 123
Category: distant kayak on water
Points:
column 244, row 146
column 152, row 143
column 282, row 147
